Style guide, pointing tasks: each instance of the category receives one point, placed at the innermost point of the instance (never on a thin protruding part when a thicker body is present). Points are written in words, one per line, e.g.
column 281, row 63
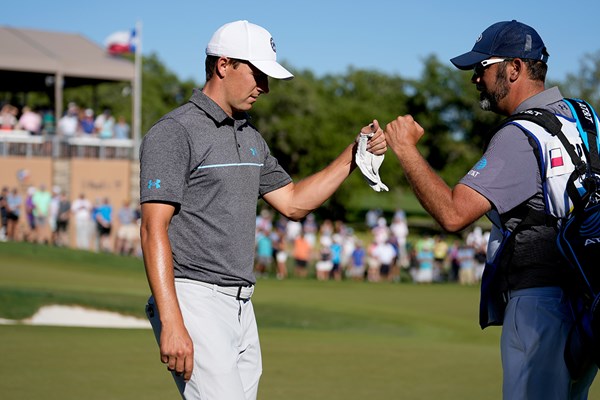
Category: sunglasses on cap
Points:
column 480, row 68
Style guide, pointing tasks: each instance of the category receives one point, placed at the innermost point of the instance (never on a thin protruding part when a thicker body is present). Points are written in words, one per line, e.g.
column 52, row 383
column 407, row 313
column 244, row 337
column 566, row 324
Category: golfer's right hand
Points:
column 177, row 351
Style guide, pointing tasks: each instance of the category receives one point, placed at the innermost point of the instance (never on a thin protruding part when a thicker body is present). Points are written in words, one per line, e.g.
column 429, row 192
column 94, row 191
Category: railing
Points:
column 22, row 143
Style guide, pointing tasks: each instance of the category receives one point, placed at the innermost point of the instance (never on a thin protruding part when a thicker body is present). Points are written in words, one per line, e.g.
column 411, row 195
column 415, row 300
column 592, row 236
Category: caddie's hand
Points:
column 403, row 131
column 377, row 143
column 177, row 351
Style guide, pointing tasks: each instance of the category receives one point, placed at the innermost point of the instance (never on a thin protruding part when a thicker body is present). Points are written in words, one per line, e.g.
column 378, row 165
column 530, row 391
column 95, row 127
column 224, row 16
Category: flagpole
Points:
column 137, row 91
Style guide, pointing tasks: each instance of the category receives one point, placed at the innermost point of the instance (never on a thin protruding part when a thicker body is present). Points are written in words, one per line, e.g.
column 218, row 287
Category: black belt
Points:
column 239, row 292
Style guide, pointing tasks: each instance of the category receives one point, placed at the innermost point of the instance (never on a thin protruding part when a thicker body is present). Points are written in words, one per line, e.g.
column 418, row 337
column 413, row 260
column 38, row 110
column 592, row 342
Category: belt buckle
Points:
column 239, row 292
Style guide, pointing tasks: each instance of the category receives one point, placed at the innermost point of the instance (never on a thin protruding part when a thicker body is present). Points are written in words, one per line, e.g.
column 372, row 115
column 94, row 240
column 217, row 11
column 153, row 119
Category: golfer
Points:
column 203, row 168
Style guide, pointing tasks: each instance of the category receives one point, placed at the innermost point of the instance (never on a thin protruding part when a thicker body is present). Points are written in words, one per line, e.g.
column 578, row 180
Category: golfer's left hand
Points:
column 377, row 143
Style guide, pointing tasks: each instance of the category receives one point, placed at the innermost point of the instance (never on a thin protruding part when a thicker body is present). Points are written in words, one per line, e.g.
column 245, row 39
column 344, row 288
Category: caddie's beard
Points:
column 489, row 100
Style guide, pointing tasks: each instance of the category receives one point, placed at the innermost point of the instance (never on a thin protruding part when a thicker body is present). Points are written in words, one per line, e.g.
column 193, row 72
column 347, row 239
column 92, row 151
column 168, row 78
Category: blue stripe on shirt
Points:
column 230, row 165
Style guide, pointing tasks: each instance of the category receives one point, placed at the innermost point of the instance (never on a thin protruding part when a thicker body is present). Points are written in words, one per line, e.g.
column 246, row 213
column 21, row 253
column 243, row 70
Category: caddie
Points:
column 525, row 293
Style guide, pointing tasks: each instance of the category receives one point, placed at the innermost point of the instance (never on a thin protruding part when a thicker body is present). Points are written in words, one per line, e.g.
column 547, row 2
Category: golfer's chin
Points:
column 245, row 106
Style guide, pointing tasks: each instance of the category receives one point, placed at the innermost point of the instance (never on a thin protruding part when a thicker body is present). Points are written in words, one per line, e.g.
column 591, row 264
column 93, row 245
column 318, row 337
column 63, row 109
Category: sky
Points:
column 323, row 36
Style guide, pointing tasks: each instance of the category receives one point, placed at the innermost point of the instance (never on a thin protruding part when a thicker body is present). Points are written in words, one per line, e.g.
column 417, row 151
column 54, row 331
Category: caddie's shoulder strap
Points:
column 541, row 117
column 586, row 123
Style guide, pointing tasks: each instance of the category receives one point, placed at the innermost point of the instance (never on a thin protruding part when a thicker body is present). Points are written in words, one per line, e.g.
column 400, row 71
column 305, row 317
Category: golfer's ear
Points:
column 221, row 66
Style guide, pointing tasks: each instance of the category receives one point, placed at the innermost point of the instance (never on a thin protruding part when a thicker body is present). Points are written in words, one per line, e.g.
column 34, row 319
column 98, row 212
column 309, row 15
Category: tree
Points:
column 161, row 91
column 586, row 83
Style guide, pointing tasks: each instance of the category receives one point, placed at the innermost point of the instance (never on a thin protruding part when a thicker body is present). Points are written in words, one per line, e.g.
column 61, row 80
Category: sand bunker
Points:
column 58, row 315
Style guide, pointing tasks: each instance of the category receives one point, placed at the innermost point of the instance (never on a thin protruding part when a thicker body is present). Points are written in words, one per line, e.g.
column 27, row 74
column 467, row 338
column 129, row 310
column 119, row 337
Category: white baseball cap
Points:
column 246, row 41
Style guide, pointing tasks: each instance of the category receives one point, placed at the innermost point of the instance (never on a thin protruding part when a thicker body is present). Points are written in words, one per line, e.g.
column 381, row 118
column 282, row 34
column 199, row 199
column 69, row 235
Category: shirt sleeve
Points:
column 164, row 163
column 508, row 173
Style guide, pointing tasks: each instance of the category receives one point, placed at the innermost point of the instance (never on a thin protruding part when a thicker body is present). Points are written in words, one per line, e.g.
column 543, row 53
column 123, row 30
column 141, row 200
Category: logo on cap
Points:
column 273, row 45
column 479, row 38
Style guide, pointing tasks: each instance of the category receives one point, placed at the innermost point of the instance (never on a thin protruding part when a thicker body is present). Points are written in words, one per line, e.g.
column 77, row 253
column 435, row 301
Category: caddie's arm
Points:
column 297, row 200
column 176, row 347
column 453, row 208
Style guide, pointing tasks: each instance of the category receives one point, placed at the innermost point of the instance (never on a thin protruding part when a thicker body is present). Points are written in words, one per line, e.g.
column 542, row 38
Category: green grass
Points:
column 33, row 275
column 320, row 340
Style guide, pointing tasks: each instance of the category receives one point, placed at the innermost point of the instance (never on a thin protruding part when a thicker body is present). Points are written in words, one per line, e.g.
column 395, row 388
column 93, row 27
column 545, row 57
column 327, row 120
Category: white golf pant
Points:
column 227, row 357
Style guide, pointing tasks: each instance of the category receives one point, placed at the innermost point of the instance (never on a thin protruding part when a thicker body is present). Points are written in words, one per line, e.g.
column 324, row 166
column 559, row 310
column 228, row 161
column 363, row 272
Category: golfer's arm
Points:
column 454, row 209
column 158, row 260
column 296, row 200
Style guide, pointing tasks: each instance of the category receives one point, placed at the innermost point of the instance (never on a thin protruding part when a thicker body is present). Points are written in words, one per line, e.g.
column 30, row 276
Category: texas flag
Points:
column 556, row 159
column 121, row 42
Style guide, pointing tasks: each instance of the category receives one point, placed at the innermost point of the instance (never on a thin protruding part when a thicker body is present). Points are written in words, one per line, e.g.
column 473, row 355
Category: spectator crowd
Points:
column 335, row 251
column 75, row 122
column 43, row 215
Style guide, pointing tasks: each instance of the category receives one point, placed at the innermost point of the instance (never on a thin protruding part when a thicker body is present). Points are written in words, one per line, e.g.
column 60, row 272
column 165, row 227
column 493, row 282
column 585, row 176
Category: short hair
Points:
column 536, row 69
column 211, row 63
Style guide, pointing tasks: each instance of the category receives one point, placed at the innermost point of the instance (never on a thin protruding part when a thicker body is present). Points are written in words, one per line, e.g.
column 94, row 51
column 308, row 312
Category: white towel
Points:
column 369, row 163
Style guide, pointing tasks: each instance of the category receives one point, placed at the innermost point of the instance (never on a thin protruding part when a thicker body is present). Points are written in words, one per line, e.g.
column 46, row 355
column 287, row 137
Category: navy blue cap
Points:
column 510, row 39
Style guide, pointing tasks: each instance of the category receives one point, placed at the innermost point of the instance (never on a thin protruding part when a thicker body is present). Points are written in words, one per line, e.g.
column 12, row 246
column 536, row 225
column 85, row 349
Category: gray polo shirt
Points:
column 508, row 175
column 213, row 168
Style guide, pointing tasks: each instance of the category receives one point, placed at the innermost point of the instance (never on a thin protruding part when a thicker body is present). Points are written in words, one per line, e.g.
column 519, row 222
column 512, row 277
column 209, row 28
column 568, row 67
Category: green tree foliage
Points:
column 586, row 83
column 161, row 91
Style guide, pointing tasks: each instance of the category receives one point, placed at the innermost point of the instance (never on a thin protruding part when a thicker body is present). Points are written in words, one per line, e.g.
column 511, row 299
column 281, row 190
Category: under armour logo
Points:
column 155, row 184
column 253, row 151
